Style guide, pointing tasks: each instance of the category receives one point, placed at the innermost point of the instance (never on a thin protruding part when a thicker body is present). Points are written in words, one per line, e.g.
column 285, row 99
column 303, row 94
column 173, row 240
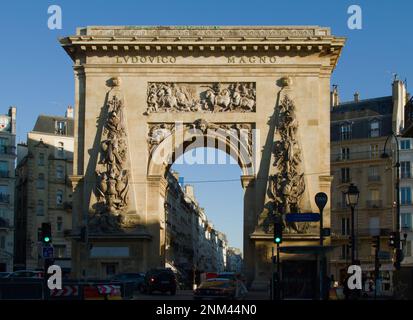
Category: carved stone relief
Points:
column 195, row 97
column 286, row 187
column 111, row 172
column 158, row 132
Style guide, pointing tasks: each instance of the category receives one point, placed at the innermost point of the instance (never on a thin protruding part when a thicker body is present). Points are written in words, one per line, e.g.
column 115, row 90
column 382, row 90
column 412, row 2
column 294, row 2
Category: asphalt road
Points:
column 188, row 295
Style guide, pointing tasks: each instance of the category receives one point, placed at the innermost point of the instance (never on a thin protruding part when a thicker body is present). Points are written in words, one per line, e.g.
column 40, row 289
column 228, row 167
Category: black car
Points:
column 163, row 280
column 137, row 279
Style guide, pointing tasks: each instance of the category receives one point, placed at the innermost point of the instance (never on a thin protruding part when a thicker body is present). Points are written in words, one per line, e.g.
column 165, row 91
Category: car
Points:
column 216, row 288
column 137, row 278
column 4, row 274
column 26, row 274
column 163, row 280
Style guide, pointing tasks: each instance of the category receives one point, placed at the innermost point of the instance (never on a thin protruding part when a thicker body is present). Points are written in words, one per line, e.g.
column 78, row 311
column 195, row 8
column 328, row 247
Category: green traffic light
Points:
column 277, row 240
column 46, row 239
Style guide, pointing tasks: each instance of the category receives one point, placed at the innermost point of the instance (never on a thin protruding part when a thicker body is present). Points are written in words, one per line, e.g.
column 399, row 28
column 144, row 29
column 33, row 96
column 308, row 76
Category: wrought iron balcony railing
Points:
column 374, row 204
column 4, row 198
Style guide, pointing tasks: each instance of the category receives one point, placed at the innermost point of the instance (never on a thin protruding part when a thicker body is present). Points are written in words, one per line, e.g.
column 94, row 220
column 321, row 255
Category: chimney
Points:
column 334, row 98
column 399, row 102
column 69, row 112
column 189, row 191
column 356, row 97
column 12, row 115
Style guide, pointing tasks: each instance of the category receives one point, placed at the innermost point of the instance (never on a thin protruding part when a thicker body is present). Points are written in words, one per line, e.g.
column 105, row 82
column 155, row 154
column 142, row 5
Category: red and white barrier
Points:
column 66, row 291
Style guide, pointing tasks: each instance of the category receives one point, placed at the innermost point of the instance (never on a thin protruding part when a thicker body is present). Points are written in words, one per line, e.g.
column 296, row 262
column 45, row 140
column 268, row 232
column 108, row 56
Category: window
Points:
column 406, row 195
column 345, row 175
column 59, row 224
column 4, row 194
column 374, row 226
column 4, row 169
column 406, row 221
column 345, row 226
column 40, row 181
column 60, row 150
column 408, row 251
column 59, row 251
column 40, row 208
column 405, row 169
column 374, row 173
column 40, row 161
column 345, row 153
column 405, row 144
column 3, row 242
column 59, row 172
column 374, row 194
column 374, row 129
column 3, row 145
column 343, row 200
column 374, row 151
column 59, row 197
column 345, row 131
column 345, row 251
column 61, row 127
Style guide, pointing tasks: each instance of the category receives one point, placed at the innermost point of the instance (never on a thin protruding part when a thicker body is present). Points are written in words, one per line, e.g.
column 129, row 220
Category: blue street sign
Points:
column 302, row 217
column 47, row 252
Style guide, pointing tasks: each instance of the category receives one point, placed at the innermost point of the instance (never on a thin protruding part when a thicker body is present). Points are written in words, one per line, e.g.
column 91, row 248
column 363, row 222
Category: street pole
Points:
column 272, row 276
column 278, row 273
column 353, row 240
column 321, row 256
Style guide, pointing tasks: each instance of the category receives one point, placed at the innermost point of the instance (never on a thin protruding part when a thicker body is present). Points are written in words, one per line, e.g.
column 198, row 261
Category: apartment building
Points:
column 43, row 190
column 7, row 181
column 359, row 130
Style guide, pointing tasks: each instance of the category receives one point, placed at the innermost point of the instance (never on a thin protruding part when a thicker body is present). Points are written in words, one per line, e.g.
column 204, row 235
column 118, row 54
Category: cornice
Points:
column 206, row 40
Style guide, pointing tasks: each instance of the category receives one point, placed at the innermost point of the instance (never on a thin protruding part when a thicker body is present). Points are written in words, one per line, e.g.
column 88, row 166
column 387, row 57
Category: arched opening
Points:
column 204, row 211
column 204, row 214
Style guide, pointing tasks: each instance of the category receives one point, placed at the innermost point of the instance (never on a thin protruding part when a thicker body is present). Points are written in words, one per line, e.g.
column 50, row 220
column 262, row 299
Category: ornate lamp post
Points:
column 397, row 187
column 352, row 198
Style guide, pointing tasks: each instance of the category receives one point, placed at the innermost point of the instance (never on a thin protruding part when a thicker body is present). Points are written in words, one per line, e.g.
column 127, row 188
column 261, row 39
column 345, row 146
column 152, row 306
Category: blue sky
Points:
column 36, row 74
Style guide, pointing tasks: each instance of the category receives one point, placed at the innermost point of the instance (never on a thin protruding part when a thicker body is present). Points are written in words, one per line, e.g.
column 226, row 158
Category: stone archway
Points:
column 227, row 77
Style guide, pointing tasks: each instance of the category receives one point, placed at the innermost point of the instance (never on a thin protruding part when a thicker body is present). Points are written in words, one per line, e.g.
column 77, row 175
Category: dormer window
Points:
column 374, row 129
column 61, row 127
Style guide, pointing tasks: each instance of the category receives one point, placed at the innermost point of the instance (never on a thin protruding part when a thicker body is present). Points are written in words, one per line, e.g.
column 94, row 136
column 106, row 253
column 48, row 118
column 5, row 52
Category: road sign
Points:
column 302, row 217
column 384, row 255
column 66, row 291
column 321, row 200
column 47, row 252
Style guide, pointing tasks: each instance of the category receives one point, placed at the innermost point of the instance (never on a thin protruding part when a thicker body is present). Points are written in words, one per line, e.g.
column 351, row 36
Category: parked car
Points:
column 163, row 280
column 215, row 288
column 26, row 274
column 137, row 279
column 4, row 274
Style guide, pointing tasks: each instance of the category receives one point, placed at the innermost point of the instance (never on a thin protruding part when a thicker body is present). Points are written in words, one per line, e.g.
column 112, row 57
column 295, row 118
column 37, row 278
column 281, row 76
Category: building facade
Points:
column 359, row 130
column 234, row 260
column 43, row 191
column 7, row 181
column 193, row 245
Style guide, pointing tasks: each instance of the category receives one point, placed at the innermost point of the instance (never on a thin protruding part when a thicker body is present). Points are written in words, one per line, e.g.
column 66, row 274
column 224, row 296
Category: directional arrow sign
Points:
column 302, row 217
column 47, row 252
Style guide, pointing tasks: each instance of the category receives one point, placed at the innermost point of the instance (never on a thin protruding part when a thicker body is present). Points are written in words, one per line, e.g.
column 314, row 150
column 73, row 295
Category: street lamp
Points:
column 352, row 198
column 397, row 187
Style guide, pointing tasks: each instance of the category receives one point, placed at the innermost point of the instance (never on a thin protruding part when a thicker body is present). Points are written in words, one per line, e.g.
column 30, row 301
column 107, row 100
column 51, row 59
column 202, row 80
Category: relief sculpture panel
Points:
column 201, row 97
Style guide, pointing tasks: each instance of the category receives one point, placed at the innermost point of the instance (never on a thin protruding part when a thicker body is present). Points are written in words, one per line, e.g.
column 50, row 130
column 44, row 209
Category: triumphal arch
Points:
column 145, row 95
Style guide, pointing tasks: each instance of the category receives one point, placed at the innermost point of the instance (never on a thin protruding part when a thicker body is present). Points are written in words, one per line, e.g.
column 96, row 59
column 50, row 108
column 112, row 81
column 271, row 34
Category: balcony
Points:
column 340, row 205
column 369, row 232
column 406, row 175
column 374, row 204
column 9, row 150
column 4, row 198
column 362, row 155
column 407, row 229
column 374, row 178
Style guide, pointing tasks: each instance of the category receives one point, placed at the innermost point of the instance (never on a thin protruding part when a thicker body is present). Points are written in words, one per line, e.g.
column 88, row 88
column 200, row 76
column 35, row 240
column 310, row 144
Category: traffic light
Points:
column 394, row 240
column 278, row 232
column 46, row 233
